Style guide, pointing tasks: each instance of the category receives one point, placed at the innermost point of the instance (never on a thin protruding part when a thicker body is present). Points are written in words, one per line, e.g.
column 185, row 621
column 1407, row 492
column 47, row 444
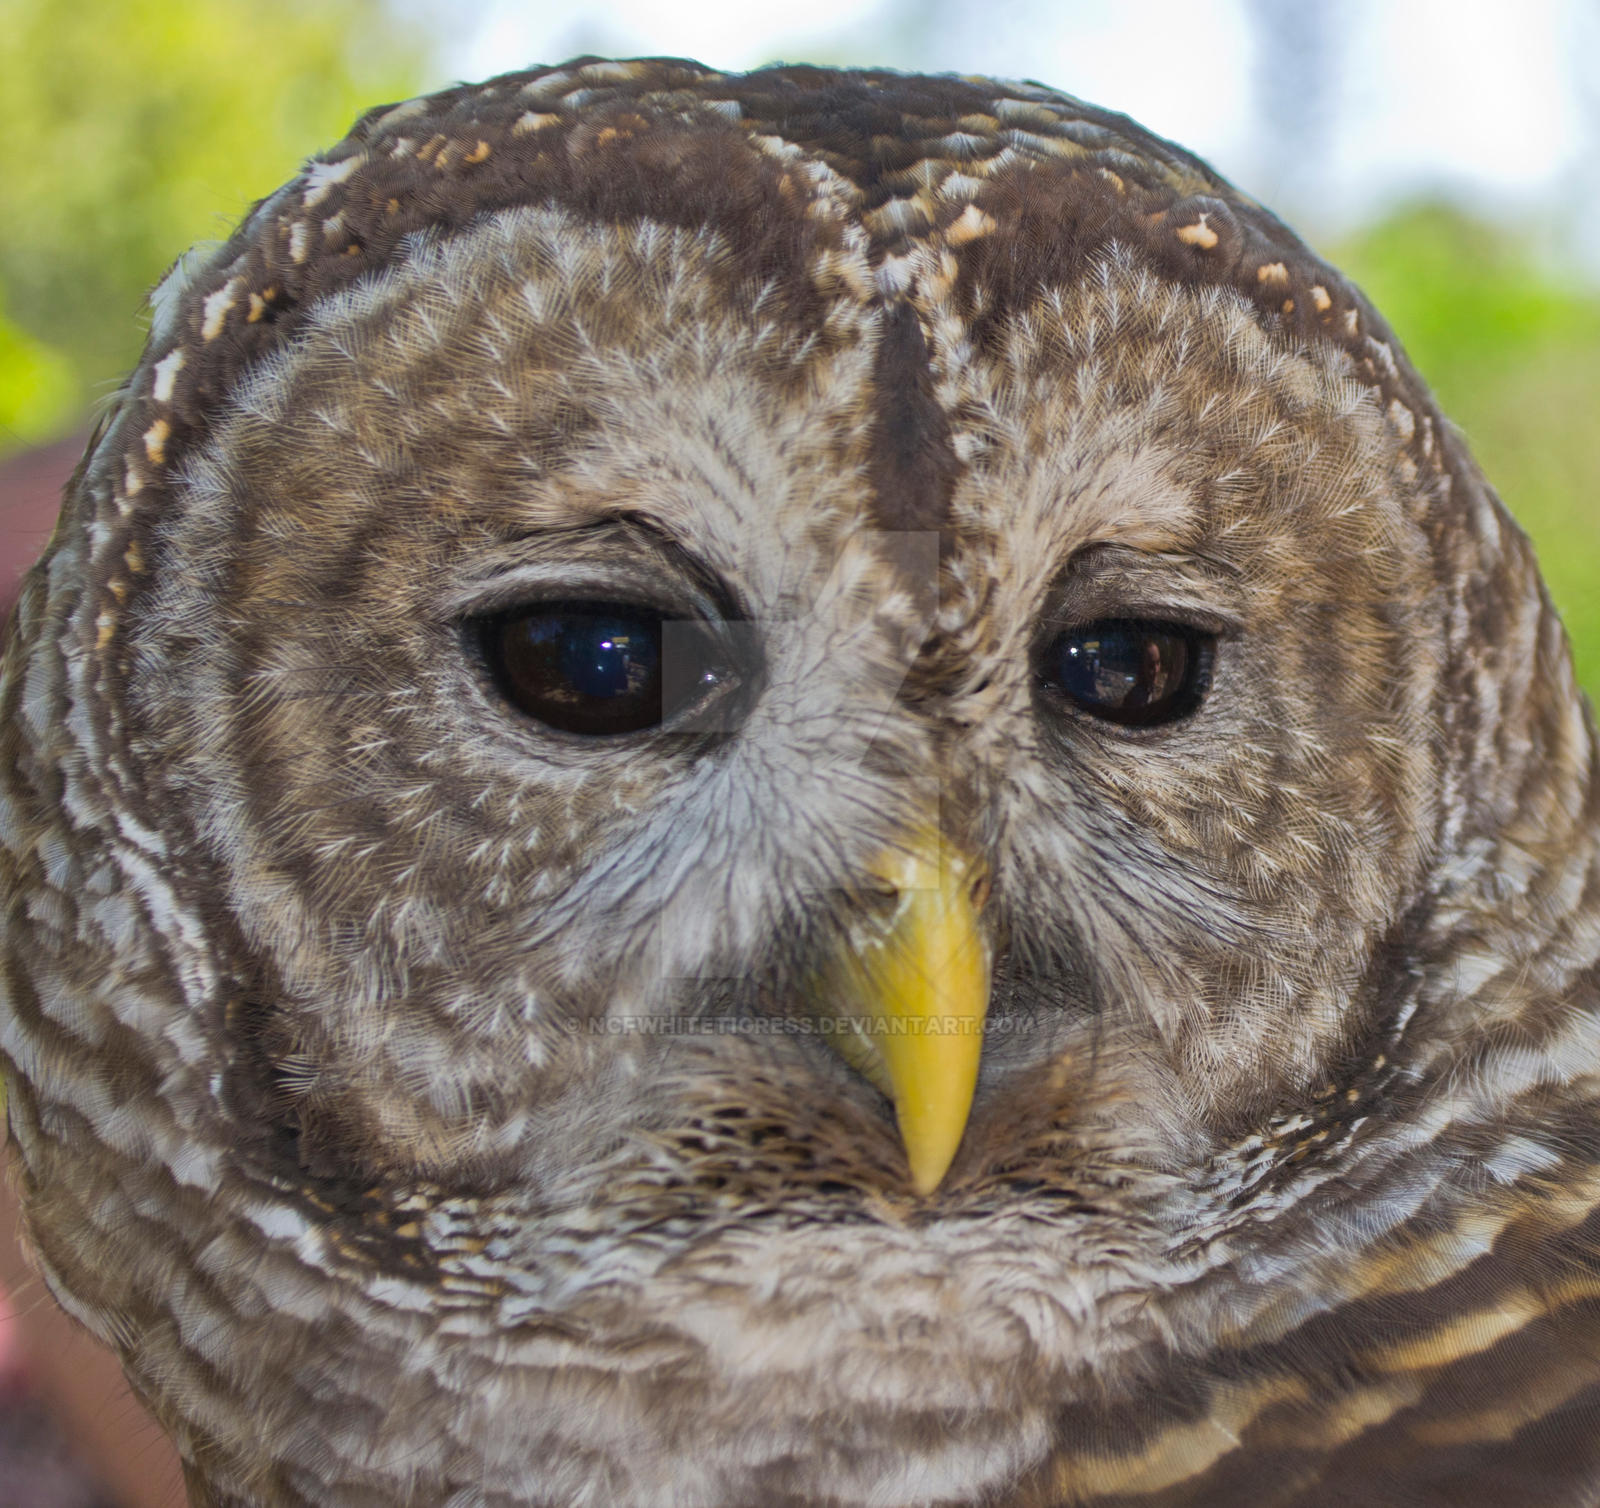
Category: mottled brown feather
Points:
column 415, row 1100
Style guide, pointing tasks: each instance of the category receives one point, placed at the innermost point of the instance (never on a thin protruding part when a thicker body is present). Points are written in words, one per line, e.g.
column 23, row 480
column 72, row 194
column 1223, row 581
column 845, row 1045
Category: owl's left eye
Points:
column 1131, row 671
column 600, row 668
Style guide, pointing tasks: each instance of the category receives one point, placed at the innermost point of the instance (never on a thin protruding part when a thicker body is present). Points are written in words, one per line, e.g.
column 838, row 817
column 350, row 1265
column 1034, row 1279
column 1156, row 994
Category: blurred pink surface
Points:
column 30, row 497
column 10, row 1347
column 67, row 1420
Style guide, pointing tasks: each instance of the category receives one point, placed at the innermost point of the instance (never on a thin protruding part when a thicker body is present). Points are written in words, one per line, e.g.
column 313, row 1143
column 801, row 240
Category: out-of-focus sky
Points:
column 1493, row 102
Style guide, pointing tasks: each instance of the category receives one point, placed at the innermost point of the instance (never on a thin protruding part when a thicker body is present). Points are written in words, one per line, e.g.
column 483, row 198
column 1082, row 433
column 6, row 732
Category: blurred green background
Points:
column 1512, row 350
column 135, row 128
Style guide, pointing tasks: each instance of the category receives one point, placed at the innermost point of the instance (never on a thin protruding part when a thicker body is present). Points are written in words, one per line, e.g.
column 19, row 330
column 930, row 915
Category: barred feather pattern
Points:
column 362, row 1044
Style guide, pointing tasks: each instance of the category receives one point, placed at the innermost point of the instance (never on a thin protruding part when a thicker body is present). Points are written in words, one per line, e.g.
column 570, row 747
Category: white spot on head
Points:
column 959, row 186
column 168, row 293
column 1017, row 110
column 775, row 146
column 1402, row 420
column 216, row 308
column 165, row 374
column 608, row 72
column 894, row 277
column 534, row 120
column 960, row 145
column 400, row 112
column 322, row 176
column 548, row 87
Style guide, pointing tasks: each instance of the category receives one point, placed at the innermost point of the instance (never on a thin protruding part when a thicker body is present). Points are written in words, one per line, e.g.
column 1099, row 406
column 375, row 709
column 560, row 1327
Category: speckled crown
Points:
column 1016, row 184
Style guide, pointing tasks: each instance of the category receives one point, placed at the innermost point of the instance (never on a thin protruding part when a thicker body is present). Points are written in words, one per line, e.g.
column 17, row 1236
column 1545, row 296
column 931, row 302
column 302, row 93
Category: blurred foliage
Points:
column 1512, row 350
column 39, row 387
column 134, row 128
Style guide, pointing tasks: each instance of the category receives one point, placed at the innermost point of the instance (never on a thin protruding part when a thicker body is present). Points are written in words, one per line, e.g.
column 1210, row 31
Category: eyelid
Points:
column 538, row 584
column 1112, row 581
column 609, row 561
column 1203, row 620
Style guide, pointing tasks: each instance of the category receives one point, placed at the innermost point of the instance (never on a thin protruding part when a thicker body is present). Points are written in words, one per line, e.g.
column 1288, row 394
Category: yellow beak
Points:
column 910, row 987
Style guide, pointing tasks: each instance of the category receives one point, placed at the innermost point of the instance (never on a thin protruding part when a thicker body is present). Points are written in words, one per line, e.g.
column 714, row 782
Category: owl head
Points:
column 804, row 787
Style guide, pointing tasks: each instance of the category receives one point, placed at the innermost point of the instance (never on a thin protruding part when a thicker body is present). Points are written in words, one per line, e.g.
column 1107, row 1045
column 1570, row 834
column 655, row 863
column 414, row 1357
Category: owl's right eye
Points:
column 600, row 668
column 1132, row 671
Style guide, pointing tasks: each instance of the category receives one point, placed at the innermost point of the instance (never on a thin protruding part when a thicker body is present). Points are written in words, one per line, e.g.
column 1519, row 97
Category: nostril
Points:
column 979, row 889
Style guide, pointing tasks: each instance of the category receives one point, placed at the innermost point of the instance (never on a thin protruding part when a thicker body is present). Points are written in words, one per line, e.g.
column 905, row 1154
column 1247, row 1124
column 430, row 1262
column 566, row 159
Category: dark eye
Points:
column 599, row 667
column 1130, row 671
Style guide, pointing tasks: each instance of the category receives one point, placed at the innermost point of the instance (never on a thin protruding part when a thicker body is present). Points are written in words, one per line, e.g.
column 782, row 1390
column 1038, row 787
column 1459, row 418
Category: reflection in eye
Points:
column 596, row 667
column 1129, row 670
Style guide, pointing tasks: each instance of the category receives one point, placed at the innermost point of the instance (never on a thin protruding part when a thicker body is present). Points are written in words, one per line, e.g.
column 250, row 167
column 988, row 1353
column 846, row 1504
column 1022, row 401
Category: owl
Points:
column 802, row 788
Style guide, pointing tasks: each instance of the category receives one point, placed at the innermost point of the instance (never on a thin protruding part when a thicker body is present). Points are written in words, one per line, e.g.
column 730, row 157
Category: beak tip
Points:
column 923, row 973
column 929, row 1159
